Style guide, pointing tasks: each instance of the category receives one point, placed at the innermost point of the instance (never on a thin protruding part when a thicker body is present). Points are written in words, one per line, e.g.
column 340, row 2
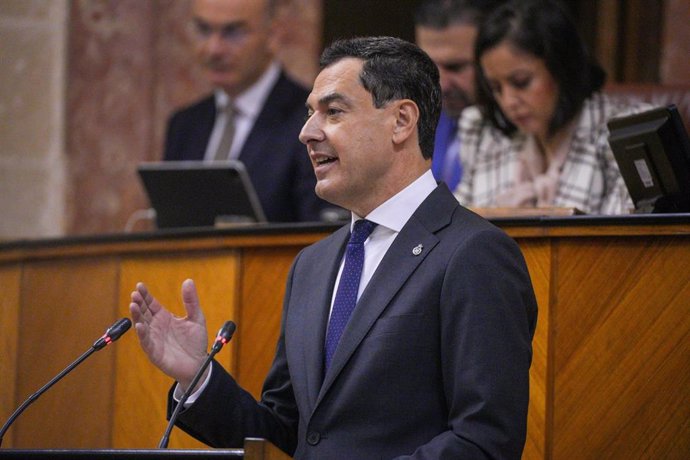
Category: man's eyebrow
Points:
column 223, row 25
column 328, row 98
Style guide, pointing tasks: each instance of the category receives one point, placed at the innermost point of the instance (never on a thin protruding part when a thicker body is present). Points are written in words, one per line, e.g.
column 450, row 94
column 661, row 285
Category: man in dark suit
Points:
column 446, row 31
column 410, row 340
column 255, row 113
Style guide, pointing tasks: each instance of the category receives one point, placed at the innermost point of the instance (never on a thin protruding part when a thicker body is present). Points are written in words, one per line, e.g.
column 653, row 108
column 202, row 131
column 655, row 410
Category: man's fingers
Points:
column 190, row 299
column 135, row 311
column 148, row 304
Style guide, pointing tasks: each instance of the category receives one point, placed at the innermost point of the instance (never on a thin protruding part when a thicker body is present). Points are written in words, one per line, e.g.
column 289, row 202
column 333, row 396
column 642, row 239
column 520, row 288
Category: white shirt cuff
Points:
column 178, row 393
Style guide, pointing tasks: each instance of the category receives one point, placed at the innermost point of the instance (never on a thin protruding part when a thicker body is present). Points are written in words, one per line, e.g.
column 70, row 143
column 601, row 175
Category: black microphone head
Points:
column 113, row 333
column 224, row 335
column 121, row 326
column 227, row 330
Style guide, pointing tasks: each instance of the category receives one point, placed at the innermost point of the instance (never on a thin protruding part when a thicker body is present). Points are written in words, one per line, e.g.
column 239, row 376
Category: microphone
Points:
column 224, row 335
column 113, row 333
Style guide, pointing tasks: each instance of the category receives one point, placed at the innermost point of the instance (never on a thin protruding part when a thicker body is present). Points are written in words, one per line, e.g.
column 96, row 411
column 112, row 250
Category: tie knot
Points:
column 361, row 231
column 230, row 110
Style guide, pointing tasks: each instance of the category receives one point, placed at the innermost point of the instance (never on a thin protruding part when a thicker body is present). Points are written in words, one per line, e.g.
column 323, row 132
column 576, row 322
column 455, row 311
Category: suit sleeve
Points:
column 488, row 321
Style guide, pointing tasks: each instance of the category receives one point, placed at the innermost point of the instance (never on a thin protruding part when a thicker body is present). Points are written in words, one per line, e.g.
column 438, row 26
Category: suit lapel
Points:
column 279, row 103
column 397, row 266
column 203, row 127
column 313, row 334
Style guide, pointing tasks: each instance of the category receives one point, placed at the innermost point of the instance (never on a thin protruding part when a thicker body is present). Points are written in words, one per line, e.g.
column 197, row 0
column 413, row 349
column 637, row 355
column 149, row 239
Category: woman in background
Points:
column 538, row 136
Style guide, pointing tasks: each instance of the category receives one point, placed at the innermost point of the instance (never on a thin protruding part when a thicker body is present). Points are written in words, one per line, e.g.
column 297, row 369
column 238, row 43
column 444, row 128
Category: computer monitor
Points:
column 652, row 150
column 200, row 194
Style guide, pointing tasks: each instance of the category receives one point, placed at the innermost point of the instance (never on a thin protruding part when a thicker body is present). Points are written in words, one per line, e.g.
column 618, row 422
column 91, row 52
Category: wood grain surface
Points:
column 609, row 378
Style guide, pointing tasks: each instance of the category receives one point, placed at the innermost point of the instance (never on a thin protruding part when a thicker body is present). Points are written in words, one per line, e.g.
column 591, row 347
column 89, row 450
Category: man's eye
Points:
column 456, row 67
column 232, row 33
column 202, row 29
column 333, row 111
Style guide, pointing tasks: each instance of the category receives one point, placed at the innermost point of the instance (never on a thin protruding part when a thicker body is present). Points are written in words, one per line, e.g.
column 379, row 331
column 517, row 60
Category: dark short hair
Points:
column 395, row 69
column 544, row 29
column 439, row 14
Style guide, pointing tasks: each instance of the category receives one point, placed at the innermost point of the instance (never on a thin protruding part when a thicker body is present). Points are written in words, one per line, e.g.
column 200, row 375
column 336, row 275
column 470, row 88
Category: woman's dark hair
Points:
column 545, row 30
column 394, row 69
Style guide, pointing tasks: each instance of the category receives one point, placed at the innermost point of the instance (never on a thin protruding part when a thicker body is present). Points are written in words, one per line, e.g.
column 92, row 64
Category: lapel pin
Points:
column 417, row 250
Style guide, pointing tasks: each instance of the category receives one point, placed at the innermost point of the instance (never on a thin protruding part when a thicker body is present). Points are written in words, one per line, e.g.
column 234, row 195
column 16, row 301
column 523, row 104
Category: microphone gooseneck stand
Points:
column 112, row 334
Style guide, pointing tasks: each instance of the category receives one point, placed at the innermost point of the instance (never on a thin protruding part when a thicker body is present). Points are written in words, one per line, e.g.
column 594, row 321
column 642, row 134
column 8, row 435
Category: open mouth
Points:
column 325, row 161
column 322, row 159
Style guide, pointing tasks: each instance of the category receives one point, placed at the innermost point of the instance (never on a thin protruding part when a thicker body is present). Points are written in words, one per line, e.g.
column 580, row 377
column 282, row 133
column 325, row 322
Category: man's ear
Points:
column 406, row 121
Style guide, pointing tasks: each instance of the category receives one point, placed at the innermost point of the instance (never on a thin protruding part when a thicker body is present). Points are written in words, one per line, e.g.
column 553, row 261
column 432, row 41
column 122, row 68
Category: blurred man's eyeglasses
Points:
column 229, row 33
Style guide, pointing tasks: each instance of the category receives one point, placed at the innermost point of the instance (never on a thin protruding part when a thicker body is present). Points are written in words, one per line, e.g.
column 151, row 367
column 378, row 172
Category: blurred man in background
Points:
column 446, row 30
column 255, row 112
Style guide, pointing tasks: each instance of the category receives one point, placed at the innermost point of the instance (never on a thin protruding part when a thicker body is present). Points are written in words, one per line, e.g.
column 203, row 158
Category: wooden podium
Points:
column 254, row 449
column 609, row 378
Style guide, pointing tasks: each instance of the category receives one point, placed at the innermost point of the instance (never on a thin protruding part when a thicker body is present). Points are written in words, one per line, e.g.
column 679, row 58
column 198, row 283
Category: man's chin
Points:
column 325, row 190
column 221, row 80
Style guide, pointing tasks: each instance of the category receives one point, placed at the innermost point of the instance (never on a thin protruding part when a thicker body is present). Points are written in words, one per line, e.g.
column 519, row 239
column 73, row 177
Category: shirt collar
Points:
column 397, row 210
column 250, row 102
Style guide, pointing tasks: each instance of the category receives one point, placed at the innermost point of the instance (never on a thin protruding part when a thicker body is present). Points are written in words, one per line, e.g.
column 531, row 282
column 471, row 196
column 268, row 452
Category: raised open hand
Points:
column 176, row 345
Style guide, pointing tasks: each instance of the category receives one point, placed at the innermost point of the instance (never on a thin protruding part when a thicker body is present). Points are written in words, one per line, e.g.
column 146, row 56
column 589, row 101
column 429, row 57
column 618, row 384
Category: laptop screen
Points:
column 200, row 194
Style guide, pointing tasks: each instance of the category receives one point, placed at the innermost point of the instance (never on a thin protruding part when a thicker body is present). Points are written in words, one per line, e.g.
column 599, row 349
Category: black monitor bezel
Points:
column 653, row 142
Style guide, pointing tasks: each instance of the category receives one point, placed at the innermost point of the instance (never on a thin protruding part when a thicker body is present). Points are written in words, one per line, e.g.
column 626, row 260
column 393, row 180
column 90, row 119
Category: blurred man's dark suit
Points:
column 277, row 162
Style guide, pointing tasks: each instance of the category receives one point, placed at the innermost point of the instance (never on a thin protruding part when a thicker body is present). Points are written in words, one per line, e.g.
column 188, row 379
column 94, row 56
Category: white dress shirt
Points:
column 391, row 217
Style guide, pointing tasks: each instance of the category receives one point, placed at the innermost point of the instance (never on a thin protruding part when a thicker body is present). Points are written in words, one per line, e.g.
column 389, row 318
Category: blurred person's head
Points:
column 233, row 41
column 446, row 31
column 534, row 70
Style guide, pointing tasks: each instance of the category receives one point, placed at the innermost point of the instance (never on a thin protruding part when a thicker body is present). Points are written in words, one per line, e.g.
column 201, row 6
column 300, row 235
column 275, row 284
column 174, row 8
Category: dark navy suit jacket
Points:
column 433, row 363
column 277, row 162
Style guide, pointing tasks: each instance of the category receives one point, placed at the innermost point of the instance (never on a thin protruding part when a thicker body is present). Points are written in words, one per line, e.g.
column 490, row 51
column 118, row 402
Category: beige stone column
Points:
column 32, row 100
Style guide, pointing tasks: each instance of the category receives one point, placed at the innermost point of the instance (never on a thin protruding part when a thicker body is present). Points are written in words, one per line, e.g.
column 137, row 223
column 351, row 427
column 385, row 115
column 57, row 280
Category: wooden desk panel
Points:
column 621, row 347
column 264, row 272
column 9, row 342
column 537, row 254
column 140, row 388
column 609, row 378
column 65, row 306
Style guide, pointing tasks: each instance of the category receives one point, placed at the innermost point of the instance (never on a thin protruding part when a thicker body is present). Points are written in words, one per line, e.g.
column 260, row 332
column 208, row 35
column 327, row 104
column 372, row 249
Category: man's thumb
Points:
column 190, row 298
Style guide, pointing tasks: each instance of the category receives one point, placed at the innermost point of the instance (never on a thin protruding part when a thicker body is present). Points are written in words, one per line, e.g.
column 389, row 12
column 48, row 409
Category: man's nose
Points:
column 311, row 131
column 215, row 43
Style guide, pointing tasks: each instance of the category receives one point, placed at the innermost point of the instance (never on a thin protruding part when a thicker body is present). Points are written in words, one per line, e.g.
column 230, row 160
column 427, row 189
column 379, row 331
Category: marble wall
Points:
column 33, row 37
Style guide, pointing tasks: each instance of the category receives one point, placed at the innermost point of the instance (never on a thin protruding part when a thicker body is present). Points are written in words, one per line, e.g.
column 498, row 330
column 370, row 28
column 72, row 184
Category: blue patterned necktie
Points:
column 346, row 295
